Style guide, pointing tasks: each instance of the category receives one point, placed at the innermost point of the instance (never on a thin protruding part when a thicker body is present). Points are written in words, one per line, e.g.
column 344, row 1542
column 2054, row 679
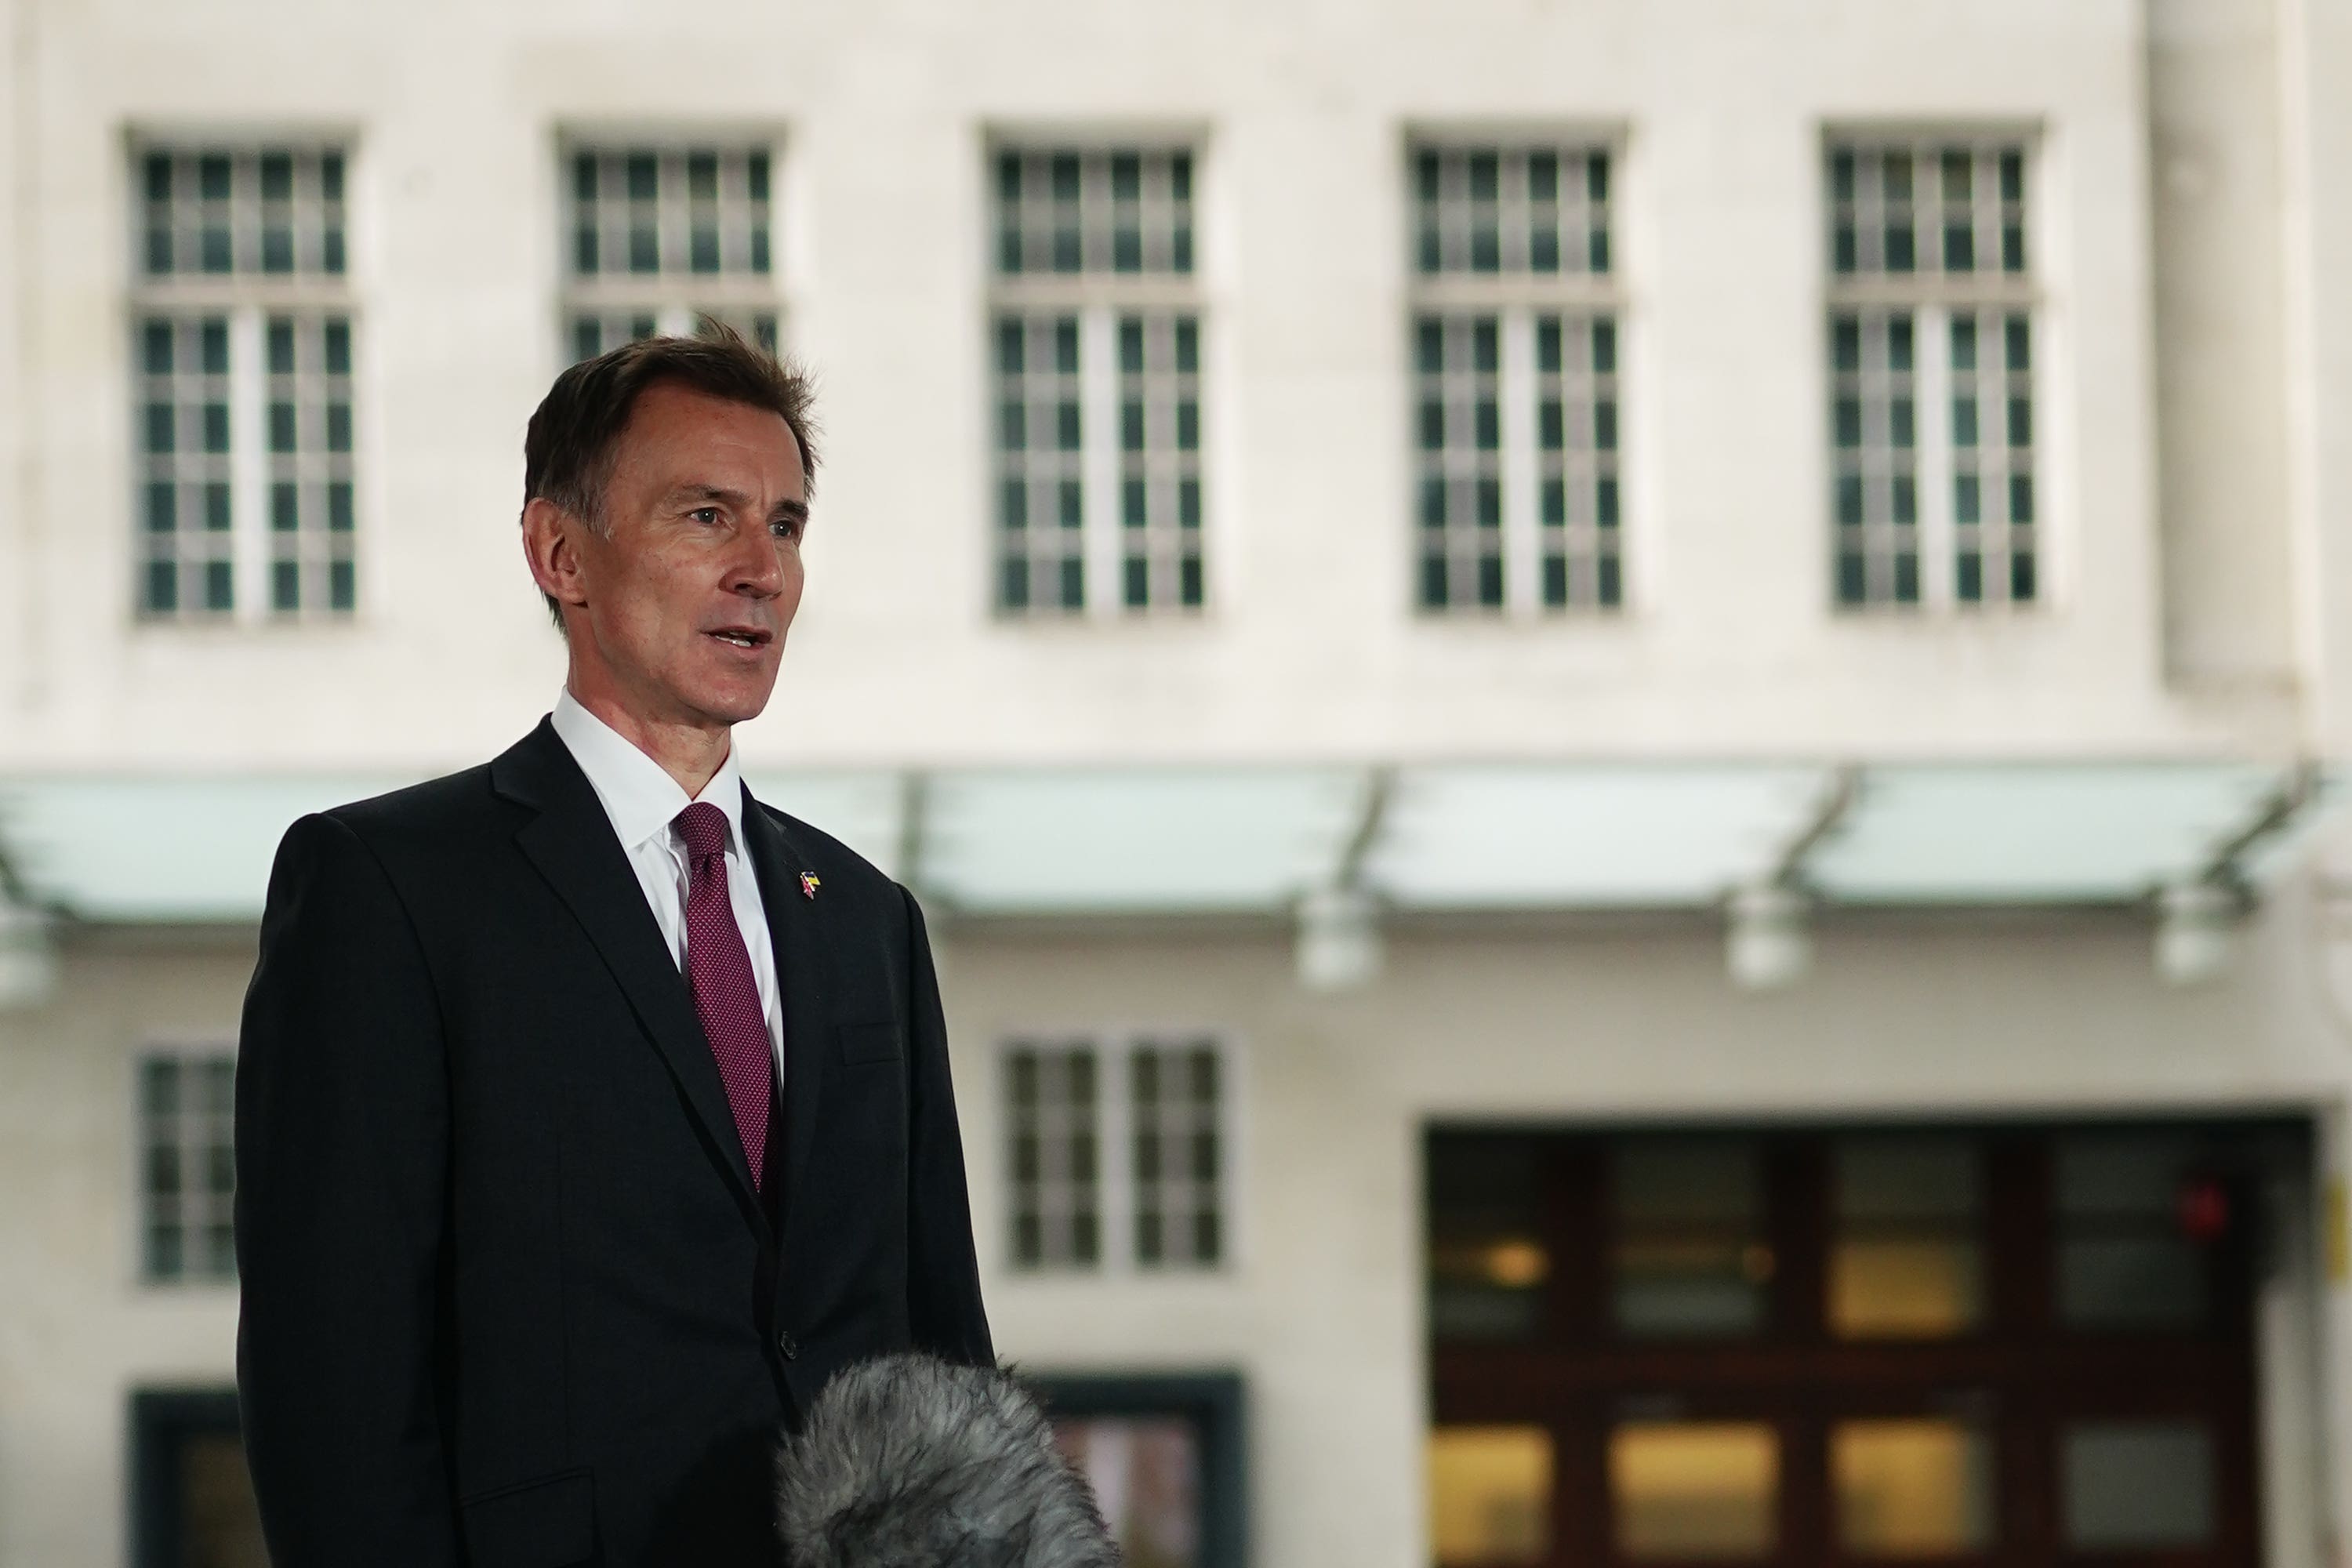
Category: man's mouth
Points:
column 743, row 636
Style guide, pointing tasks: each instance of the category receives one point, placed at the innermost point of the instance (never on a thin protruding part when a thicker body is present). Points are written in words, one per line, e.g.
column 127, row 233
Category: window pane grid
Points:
column 1098, row 341
column 1577, row 407
column 1511, row 210
column 183, row 443
column 236, row 212
column 590, row 332
column 656, row 238
column 312, row 505
column 242, row 339
column 1160, row 459
column 1097, row 211
column 1936, row 497
column 1177, row 1154
column 637, row 212
column 1929, row 208
column 1458, row 394
column 1041, row 462
column 187, row 1167
column 1518, row 502
column 1874, row 358
column 1993, row 502
column 1055, row 1124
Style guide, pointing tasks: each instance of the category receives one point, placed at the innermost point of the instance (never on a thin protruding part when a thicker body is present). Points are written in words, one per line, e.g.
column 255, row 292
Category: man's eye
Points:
column 785, row 527
column 704, row 514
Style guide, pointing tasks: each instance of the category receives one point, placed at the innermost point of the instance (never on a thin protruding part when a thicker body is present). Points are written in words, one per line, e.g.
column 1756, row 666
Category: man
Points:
column 590, row 1113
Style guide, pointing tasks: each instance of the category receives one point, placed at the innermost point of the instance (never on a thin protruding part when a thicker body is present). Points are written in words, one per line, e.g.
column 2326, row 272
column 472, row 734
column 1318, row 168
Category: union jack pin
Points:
column 809, row 884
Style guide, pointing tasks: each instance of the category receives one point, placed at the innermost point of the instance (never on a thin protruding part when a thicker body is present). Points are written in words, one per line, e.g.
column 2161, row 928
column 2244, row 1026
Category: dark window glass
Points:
column 1689, row 1257
column 2137, row 1486
column 2123, row 1261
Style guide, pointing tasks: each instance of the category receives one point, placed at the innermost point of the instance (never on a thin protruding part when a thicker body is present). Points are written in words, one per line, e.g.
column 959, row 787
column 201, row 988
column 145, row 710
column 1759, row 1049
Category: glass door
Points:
column 1960, row 1347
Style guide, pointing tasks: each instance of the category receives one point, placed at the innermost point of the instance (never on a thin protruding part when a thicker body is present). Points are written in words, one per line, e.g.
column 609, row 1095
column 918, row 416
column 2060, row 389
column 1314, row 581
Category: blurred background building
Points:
column 1617, row 716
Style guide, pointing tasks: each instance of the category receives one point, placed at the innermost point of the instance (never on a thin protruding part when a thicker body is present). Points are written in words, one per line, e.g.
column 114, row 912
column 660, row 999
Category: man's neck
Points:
column 690, row 754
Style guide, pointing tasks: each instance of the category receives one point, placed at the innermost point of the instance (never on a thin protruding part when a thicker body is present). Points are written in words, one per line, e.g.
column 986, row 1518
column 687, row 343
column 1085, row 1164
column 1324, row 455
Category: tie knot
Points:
column 704, row 828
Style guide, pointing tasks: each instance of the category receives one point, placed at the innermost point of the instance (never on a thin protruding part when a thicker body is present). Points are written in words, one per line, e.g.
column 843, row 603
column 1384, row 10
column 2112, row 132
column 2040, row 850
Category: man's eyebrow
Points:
column 797, row 511
column 706, row 492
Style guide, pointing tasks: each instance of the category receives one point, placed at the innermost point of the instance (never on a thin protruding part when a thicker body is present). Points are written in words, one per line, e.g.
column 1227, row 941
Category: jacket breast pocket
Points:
column 871, row 1042
column 549, row 1523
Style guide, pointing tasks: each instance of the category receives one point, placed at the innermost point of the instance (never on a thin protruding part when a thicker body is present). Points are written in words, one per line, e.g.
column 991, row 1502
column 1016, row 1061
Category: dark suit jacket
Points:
column 509, row 1296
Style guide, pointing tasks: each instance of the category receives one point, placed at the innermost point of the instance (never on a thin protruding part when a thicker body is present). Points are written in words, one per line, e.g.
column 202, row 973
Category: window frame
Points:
column 673, row 300
column 1100, row 301
column 247, row 301
column 191, row 1056
column 1215, row 1403
column 1520, row 302
column 1115, row 1050
column 1935, row 298
column 161, row 1421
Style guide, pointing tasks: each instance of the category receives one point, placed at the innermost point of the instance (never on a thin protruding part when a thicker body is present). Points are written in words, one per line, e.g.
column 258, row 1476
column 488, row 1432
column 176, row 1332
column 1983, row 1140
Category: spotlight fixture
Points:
column 2196, row 932
column 28, row 960
column 1339, row 945
column 1769, row 944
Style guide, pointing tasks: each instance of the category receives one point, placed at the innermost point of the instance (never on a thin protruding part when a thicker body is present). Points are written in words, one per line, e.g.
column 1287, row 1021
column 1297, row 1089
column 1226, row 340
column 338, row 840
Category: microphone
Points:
column 909, row 1461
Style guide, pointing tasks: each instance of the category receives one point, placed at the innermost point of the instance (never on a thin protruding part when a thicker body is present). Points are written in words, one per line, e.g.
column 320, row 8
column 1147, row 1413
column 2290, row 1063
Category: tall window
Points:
column 1931, row 348
column 656, row 235
column 1514, row 361
column 242, row 355
column 1119, row 1152
column 1096, row 348
column 187, row 1166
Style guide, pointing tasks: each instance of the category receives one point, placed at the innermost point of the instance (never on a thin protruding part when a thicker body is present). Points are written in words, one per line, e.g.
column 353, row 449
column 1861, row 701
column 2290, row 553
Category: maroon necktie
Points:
column 718, row 966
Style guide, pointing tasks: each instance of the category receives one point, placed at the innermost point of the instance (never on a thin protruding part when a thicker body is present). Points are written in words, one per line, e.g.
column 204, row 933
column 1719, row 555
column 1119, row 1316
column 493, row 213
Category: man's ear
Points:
column 550, row 543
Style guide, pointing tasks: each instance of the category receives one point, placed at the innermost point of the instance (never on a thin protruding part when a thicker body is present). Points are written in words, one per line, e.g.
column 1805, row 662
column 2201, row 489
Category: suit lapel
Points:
column 804, row 978
column 570, row 841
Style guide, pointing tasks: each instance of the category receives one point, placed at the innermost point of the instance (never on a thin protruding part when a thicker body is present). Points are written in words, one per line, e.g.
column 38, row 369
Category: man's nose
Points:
column 757, row 567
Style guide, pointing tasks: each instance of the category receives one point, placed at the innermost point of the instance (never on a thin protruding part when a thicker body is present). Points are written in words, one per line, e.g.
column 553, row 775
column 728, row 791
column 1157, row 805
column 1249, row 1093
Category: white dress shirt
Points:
column 643, row 801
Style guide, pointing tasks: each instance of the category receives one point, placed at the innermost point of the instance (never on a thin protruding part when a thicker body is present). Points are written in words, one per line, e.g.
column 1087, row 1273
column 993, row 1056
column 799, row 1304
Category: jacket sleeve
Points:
column 342, row 1144
column 944, row 1308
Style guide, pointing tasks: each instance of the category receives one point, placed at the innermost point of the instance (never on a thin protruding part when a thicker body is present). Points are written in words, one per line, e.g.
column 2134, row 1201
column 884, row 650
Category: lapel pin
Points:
column 809, row 884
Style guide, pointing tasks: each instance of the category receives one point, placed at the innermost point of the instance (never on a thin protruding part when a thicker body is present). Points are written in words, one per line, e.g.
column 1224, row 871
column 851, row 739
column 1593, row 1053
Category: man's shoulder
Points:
column 453, row 801
column 442, row 826
column 487, row 797
column 425, row 835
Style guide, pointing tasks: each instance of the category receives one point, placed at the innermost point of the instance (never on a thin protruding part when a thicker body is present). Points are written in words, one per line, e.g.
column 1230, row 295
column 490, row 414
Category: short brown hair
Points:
column 567, row 451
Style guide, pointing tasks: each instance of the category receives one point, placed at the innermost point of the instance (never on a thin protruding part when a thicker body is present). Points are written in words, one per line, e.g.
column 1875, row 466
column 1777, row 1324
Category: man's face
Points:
column 693, row 584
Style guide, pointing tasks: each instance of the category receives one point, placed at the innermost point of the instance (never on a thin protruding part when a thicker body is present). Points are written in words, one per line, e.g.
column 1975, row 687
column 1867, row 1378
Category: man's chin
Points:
column 736, row 702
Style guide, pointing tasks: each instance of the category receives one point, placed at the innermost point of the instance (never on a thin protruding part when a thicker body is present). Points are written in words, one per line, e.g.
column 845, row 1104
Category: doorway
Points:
column 1963, row 1346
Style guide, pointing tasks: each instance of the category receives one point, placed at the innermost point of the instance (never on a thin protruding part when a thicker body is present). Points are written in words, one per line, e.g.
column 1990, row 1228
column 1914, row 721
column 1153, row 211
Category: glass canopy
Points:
column 1240, row 840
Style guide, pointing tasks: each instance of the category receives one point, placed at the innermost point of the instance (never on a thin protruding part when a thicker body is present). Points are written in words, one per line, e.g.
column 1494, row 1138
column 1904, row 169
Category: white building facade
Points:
column 1619, row 716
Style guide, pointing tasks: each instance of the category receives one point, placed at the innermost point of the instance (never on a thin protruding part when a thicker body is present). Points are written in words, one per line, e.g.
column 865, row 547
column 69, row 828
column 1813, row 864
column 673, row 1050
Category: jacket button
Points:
column 788, row 1346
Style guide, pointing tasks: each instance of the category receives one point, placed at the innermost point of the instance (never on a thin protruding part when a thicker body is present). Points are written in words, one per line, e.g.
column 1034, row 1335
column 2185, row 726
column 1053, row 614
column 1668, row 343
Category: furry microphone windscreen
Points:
column 912, row 1462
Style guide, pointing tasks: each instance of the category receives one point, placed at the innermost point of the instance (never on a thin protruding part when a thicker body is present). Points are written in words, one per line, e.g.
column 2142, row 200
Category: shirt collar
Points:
column 641, row 798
